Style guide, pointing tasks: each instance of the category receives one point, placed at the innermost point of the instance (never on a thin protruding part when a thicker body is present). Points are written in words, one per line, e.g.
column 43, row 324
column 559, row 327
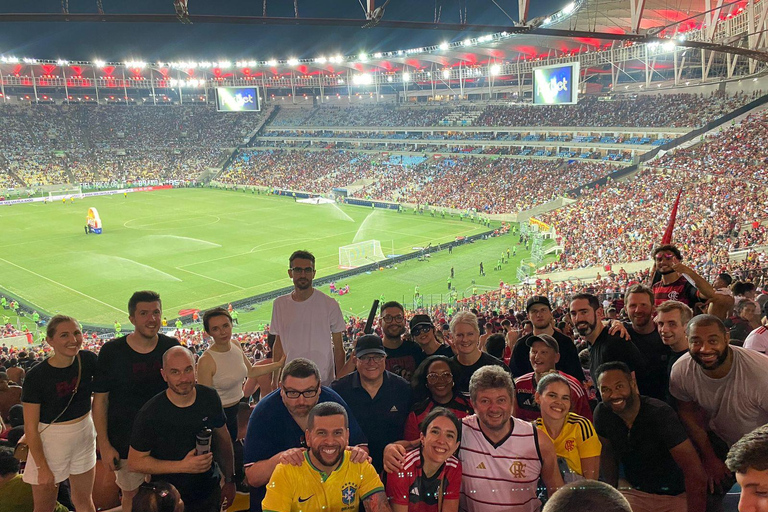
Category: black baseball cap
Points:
column 421, row 320
column 369, row 344
column 537, row 299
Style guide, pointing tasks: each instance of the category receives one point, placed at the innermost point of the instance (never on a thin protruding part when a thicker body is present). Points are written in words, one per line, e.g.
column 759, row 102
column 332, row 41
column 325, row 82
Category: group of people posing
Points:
column 466, row 431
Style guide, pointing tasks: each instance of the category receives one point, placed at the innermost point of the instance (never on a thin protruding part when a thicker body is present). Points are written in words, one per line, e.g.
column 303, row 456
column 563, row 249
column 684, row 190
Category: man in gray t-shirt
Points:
column 722, row 383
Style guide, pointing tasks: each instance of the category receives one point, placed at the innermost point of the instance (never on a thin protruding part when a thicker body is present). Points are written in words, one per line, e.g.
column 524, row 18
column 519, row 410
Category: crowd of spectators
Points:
column 675, row 110
column 105, row 145
column 500, row 185
column 722, row 207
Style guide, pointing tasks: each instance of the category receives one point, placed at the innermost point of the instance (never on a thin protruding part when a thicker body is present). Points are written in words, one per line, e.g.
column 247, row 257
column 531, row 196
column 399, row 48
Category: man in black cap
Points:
column 379, row 400
column 423, row 333
column 540, row 313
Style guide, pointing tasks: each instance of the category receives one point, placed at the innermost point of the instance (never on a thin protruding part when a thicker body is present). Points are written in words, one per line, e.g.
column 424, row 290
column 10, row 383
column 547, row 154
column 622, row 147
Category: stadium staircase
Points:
column 5, row 166
column 462, row 117
column 226, row 160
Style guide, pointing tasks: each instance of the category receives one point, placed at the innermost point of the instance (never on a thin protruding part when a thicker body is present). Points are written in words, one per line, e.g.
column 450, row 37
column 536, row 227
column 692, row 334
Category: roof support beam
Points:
column 636, row 8
column 711, row 18
column 522, row 8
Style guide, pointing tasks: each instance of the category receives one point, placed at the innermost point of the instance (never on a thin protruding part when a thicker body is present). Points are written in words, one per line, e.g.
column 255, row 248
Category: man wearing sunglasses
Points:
column 380, row 400
column 278, row 422
column 423, row 333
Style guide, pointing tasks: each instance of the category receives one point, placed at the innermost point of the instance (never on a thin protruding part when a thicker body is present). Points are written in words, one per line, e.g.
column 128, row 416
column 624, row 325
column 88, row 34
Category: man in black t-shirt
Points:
column 127, row 376
column 403, row 356
column 648, row 439
column 587, row 315
column 539, row 311
column 639, row 301
column 165, row 434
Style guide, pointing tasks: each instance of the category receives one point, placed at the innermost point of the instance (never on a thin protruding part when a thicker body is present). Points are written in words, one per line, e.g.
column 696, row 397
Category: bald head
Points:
column 587, row 496
column 177, row 351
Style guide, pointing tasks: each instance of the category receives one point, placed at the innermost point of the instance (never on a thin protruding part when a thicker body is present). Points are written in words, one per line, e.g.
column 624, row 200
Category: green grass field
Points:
column 203, row 247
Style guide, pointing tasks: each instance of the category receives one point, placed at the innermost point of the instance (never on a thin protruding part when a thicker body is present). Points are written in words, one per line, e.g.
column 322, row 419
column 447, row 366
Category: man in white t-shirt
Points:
column 306, row 322
column 724, row 384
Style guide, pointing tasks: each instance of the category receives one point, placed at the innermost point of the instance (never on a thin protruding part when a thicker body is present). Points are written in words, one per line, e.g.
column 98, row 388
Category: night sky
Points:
column 153, row 42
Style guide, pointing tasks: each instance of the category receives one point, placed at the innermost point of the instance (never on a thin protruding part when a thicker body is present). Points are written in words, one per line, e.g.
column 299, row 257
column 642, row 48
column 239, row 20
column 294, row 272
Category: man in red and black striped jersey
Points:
column 680, row 282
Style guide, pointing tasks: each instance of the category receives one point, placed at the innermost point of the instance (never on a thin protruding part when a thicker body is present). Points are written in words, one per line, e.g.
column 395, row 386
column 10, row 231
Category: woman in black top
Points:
column 57, row 422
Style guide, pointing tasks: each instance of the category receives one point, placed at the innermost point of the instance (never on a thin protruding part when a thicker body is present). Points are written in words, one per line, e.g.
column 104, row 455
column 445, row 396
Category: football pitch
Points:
column 204, row 247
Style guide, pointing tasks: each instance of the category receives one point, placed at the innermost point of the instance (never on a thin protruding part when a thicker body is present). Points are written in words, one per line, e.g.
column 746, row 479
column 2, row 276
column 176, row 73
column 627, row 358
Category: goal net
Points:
column 65, row 192
column 359, row 254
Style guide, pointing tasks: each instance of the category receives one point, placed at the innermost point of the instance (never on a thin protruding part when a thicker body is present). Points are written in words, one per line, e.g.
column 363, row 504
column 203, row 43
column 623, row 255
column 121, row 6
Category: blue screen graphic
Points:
column 237, row 99
column 555, row 85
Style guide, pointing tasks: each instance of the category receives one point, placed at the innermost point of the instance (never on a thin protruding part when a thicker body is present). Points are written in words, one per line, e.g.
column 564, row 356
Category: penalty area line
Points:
column 62, row 285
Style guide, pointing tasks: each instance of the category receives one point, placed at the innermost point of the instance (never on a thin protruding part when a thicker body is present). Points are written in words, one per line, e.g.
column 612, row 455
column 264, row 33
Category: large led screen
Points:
column 556, row 85
column 237, row 99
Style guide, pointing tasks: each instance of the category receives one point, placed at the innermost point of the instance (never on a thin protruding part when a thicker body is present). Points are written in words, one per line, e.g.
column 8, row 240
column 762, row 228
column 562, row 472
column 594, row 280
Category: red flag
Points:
column 667, row 238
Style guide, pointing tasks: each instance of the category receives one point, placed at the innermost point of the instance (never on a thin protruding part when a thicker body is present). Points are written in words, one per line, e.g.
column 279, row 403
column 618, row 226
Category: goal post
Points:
column 64, row 192
column 359, row 254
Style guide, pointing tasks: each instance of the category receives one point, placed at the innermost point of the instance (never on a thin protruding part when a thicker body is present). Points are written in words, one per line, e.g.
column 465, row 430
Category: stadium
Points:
column 472, row 167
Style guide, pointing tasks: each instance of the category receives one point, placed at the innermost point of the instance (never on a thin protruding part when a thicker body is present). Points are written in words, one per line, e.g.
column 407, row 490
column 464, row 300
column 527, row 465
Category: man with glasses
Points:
column 380, row 400
column 307, row 323
column 423, row 333
column 403, row 356
column 277, row 424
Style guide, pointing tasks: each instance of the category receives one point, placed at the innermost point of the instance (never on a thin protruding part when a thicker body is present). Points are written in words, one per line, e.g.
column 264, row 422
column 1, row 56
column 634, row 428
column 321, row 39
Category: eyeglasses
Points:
column 662, row 257
column 377, row 358
column 302, row 270
column 310, row 393
column 418, row 330
column 437, row 377
column 390, row 318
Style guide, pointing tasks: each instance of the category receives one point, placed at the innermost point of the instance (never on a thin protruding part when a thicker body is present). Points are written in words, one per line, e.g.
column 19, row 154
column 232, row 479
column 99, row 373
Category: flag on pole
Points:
column 667, row 238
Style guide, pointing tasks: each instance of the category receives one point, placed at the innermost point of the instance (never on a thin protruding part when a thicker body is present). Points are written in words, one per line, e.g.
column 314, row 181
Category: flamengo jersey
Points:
column 502, row 478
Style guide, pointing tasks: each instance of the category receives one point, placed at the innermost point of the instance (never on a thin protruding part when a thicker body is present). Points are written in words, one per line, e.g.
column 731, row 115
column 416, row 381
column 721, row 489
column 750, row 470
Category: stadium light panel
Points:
column 321, row 60
column 568, row 9
column 378, row 55
column 363, row 57
column 62, row 62
column 99, row 63
column 272, row 63
column 495, row 69
column 293, row 61
column 406, row 77
column 252, row 63
column 389, row 79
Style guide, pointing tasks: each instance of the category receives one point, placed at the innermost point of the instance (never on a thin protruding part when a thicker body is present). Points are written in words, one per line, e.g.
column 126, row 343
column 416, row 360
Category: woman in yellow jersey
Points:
column 576, row 442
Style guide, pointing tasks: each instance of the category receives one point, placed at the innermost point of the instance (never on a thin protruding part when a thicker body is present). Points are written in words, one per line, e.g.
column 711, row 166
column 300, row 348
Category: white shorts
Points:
column 126, row 479
column 69, row 450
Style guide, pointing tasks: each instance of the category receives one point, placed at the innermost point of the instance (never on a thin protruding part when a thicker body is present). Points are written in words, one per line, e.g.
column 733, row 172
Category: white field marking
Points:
column 211, row 278
column 276, row 281
column 146, row 226
column 148, row 267
column 294, row 240
column 204, row 242
column 286, row 243
column 62, row 285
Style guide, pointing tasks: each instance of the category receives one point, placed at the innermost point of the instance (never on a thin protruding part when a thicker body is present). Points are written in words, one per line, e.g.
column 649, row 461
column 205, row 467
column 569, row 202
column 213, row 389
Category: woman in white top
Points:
column 224, row 366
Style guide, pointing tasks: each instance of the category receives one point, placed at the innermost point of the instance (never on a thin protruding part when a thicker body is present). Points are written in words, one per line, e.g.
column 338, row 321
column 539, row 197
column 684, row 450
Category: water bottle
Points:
column 203, row 441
